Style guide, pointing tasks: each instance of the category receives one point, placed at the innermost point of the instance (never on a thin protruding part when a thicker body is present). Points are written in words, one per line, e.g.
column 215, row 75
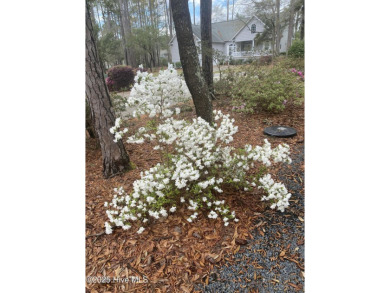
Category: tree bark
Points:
column 278, row 27
column 170, row 20
column 127, row 24
column 233, row 10
column 122, row 22
column 190, row 61
column 207, row 45
column 193, row 6
column 227, row 11
column 115, row 158
column 290, row 25
column 303, row 22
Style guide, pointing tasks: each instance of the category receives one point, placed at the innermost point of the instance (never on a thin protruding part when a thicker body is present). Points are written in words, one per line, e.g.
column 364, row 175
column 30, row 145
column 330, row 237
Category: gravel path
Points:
column 261, row 265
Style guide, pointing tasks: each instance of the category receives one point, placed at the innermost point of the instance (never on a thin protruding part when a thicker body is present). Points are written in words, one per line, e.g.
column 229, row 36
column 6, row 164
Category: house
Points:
column 234, row 38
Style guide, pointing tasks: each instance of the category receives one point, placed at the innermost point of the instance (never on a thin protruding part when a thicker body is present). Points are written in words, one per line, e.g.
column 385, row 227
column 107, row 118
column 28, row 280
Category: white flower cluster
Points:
column 118, row 133
column 277, row 193
column 200, row 162
column 153, row 95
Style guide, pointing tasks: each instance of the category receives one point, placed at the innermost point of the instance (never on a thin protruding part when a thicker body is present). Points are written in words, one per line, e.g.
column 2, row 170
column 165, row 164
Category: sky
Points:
column 219, row 9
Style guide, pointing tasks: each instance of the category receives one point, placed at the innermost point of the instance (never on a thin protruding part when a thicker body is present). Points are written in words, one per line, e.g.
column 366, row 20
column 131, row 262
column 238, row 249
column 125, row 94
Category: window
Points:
column 232, row 48
column 253, row 29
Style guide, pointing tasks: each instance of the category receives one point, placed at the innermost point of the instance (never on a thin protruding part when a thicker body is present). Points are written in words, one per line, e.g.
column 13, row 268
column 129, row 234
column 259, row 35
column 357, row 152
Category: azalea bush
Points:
column 288, row 63
column 110, row 84
column 198, row 162
column 120, row 77
column 119, row 102
column 299, row 73
column 269, row 89
column 153, row 95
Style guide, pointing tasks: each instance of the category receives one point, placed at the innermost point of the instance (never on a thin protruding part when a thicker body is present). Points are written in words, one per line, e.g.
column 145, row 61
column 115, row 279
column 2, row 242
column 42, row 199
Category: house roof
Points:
column 223, row 31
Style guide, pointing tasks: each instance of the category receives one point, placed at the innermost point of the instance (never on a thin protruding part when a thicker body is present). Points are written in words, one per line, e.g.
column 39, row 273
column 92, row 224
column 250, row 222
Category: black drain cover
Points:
column 280, row 131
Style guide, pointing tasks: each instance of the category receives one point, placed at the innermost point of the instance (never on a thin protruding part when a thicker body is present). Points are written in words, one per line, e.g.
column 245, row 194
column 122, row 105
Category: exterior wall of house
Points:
column 283, row 40
column 219, row 46
column 245, row 34
column 174, row 47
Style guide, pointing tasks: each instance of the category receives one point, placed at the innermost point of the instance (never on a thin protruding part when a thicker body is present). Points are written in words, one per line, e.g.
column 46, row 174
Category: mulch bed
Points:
column 173, row 255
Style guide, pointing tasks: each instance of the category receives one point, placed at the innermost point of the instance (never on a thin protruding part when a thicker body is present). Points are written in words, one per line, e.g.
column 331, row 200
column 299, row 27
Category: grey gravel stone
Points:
column 226, row 279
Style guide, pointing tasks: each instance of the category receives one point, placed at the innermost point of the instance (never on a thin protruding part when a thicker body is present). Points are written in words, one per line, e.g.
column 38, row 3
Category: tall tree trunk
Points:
column 127, row 25
column 193, row 4
column 233, row 10
column 297, row 18
column 115, row 158
column 278, row 34
column 190, row 61
column 303, row 22
column 227, row 11
column 207, row 45
column 122, row 23
column 109, row 22
column 290, row 25
column 170, row 20
column 167, row 20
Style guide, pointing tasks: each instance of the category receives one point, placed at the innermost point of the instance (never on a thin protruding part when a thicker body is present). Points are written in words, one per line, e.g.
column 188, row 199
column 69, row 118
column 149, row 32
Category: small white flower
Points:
column 140, row 230
column 108, row 228
column 172, row 209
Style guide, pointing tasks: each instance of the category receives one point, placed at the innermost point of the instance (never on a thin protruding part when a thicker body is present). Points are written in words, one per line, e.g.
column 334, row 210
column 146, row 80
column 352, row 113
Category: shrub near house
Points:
column 297, row 49
column 260, row 88
column 120, row 77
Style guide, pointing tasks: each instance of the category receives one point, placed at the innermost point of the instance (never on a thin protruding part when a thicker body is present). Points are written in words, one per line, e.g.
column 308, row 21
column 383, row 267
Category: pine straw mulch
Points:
column 172, row 254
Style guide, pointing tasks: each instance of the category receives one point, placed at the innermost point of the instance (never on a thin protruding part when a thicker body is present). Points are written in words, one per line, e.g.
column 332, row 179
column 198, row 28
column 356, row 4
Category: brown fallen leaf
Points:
column 210, row 259
column 240, row 241
column 293, row 285
column 187, row 288
column 282, row 253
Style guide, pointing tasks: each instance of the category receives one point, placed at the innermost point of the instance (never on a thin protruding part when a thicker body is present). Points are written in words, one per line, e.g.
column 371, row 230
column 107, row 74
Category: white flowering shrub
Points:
column 153, row 95
column 199, row 161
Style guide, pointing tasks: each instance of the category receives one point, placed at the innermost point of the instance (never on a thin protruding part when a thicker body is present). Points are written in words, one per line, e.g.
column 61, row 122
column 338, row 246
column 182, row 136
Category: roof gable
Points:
column 223, row 31
column 245, row 25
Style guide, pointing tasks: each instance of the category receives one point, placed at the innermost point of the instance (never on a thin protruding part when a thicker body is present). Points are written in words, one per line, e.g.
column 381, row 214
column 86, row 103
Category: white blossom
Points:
column 140, row 230
column 201, row 159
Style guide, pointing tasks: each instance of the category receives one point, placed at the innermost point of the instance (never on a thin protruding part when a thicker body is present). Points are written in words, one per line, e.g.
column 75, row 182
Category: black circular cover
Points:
column 280, row 131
